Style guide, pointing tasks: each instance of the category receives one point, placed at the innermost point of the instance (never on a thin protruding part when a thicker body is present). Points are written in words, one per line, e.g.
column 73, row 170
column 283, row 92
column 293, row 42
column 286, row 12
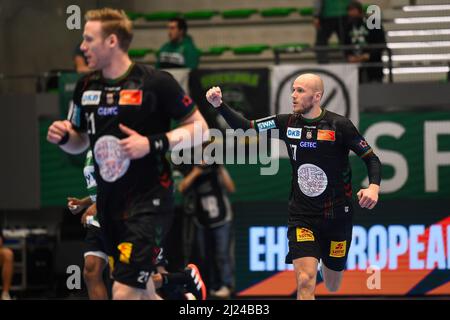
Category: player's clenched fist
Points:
column 58, row 130
column 214, row 96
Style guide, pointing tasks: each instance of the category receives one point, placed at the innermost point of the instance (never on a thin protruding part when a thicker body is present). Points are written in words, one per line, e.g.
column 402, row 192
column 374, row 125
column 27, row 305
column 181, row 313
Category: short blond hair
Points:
column 113, row 22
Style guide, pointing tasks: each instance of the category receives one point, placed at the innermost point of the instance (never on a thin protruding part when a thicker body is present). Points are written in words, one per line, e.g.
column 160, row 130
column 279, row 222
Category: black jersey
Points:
column 145, row 100
column 318, row 150
column 212, row 206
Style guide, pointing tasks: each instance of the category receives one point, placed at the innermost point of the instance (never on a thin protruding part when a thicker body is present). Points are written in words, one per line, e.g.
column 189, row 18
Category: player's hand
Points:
column 214, row 96
column 58, row 130
column 368, row 198
column 91, row 211
column 75, row 205
column 135, row 145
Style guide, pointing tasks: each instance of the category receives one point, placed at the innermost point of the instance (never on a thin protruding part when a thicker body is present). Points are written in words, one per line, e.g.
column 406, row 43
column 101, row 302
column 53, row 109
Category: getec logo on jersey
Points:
column 130, row 97
column 294, row 133
column 108, row 111
column 308, row 144
column 91, row 98
column 338, row 249
column 266, row 125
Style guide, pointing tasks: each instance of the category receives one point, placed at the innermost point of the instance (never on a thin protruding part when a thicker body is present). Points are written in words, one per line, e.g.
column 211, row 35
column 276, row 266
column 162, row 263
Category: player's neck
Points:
column 314, row 113
column 118, row 66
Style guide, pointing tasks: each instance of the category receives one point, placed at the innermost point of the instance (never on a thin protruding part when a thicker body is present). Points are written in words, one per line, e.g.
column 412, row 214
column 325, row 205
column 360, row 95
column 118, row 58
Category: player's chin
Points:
column 91, row 64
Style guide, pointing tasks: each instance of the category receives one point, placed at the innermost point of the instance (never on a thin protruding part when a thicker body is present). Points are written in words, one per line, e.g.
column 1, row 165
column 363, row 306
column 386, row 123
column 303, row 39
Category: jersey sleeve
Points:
column 354, row 141
column 75, row 113
column 173, row 99
column 269, row 124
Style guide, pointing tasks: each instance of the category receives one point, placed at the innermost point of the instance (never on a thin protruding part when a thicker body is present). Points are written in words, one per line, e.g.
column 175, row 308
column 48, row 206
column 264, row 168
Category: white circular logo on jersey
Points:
column 111, row 159
column 312, row 180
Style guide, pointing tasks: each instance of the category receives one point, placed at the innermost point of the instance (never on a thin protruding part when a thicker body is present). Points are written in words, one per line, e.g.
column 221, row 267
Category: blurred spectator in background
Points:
column 79, row 60
column 180, row 51
column 329, row 16
column 358, row 34
column 213, row 218
column 7, row 267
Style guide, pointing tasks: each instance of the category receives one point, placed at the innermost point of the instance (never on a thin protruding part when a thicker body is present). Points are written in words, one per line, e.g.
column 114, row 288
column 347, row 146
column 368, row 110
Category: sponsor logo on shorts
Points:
column 338, row 249
column 91, row 98
column 125, row 249
column 294, row 133
column 108, row 111
column 130, row 97
column 304, row 234
column 326, row 135
column 308, row 144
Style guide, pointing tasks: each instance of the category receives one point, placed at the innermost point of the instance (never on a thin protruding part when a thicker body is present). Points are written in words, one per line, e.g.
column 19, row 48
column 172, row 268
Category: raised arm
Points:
column 233, row 118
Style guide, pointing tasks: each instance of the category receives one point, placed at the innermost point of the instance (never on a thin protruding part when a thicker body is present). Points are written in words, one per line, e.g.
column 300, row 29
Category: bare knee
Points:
column 306, row 281
column 93, row 269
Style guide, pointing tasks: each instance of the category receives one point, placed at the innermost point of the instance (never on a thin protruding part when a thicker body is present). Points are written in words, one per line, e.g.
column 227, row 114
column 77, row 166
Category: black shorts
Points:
column 134, row 245
column 326, row 239
column 95, row 243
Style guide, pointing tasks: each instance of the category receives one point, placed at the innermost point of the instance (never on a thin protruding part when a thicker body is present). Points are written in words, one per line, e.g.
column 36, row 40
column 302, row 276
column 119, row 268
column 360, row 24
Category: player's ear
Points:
column 318, row 96
column 112, row 40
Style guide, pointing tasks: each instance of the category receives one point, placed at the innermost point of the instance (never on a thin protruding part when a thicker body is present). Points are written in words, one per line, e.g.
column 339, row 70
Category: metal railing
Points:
column 341, row 48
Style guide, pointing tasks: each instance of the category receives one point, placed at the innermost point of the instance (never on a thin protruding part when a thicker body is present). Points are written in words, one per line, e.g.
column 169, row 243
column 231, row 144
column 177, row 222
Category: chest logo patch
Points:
column 130, row 97
column 327, row 135
column 91, row 98
column 294, row 133
column 111, row 159
column 312, row 180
